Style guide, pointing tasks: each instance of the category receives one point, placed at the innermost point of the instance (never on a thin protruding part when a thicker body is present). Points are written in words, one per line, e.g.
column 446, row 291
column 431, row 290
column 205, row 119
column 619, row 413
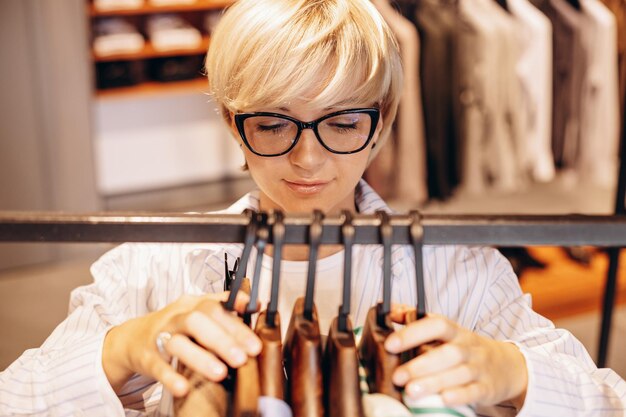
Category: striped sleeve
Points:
column 64, row 377
column 562, row 378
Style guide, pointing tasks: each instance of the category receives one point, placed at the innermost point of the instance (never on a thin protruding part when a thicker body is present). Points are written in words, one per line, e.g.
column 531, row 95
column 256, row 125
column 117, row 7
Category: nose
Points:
column 308, row 154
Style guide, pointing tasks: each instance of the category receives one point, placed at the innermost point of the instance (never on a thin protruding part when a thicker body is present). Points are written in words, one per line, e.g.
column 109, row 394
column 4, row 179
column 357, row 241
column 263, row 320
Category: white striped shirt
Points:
column 474, row 286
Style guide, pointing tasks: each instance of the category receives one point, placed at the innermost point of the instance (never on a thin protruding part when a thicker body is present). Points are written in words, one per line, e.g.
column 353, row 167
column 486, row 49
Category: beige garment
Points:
column 399, row 171
column 535, row 70
column 618, row 7
column 599, row 126
column 475, row 56
column 506, row 137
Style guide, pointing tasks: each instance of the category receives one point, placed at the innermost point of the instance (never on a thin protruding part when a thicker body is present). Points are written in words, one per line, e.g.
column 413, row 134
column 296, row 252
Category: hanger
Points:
column 229, row 274
column 270, row 359
column 380, row 363
column 416, row 231
column 208, row 398
column 303, row 344
column 341, row 363
column 247, row 386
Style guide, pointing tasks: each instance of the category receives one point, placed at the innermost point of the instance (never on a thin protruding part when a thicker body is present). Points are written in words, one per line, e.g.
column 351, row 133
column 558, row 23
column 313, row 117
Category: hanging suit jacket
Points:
column 398, row 171
column 473, row 106
column 569, row 66
column 618, row 7
column 535, row 71
column 436, row 24
column 507, row 134
column 600, row 104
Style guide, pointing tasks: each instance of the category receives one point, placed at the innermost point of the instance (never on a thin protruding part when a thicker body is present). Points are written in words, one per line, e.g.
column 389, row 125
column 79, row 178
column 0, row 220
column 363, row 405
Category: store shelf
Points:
column 147, row 8
column 198, row 85
column 150, row 52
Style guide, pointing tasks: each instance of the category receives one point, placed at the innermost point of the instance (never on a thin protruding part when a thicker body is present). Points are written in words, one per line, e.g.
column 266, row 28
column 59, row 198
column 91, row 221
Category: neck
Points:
column 301, row 252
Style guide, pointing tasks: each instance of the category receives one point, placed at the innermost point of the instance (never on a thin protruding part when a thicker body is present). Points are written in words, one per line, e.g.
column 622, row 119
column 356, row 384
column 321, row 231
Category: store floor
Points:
column 34, row 299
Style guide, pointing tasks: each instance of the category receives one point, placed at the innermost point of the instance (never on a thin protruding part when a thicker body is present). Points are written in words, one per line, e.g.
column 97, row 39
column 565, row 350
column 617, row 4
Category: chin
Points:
column 304, row 206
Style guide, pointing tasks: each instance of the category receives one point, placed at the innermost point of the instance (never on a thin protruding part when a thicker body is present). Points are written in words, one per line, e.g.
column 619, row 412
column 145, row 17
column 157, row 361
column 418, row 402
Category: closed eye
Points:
column 272, row 128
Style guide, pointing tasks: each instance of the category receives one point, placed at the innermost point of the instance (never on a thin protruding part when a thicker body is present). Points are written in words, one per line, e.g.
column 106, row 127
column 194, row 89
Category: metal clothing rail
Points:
column 511, row 230
column 570, row 230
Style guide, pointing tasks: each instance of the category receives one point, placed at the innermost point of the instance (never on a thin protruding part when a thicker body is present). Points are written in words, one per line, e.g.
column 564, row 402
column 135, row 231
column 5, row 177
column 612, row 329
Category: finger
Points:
column 468, row 394
column 195, row 357
column 163, row 372
column 206, row 329
column 433, row 384
column 232, row 325
column 436, row 360
column 428, row 329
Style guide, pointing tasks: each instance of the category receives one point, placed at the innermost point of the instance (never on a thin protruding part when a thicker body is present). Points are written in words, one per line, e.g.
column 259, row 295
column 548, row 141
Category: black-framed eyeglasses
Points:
column 341, row 132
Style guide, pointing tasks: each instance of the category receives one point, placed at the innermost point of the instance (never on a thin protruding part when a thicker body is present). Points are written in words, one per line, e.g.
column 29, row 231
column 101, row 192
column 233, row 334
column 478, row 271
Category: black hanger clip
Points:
column 417, row 240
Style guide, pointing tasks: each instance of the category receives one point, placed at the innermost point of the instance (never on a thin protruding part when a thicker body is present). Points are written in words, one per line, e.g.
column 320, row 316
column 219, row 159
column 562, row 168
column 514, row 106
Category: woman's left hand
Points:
column 465, row 368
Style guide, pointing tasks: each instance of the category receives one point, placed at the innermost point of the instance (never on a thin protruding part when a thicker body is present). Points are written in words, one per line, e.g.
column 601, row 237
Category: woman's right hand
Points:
column 220, row 339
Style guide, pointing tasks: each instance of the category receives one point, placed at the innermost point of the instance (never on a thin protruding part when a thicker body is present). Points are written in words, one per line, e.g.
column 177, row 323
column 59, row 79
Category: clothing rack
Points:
column 507, row 230
column 504, row 230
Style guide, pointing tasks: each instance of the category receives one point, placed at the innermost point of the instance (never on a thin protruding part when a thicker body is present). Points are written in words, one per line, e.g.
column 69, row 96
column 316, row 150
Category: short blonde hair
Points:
column 265, row 53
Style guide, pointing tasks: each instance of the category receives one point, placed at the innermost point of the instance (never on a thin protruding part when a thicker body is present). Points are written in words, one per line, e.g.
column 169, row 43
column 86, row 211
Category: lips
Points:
column 306, row 187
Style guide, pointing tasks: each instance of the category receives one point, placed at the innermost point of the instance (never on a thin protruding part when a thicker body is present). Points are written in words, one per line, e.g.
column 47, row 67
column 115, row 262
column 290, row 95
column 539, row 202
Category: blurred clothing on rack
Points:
column 513, row 91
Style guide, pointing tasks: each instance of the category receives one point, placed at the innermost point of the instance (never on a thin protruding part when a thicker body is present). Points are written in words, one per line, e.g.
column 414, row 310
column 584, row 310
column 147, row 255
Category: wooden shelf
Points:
column 148, row 51
column 154, row 88
column 147, row 8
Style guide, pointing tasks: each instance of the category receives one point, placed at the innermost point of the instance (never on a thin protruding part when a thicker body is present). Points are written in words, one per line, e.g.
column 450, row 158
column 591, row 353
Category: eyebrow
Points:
column 325, row 108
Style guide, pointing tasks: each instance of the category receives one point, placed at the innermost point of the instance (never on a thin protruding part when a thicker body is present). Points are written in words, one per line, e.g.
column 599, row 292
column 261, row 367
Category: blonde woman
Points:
column 310, row 91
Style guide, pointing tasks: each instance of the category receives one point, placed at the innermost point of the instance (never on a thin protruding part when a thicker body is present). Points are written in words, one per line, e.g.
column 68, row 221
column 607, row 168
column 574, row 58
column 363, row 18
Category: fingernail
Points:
column 393, row 344
column 253, row 345
column 400, row 377
column 218, row 369
column 238, row 356
column 180, row 386
column 414, row 390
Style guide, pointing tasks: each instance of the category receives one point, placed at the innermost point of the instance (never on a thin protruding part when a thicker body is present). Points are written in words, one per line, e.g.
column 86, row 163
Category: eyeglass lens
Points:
column 274, row 135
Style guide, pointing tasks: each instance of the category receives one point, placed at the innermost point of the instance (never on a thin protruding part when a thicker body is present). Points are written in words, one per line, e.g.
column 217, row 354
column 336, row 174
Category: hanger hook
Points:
column 347, row 236
column 315, row 238
column 417, row 239
column 278, row 237
column 386, row 236
column 262, row 235
column 241, row 270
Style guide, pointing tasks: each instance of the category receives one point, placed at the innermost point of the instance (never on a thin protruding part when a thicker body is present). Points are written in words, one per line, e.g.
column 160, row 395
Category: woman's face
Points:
column 309, row 176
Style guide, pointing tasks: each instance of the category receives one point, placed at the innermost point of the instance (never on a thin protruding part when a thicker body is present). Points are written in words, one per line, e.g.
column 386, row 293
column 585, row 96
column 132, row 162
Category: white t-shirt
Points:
column 328, row 287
